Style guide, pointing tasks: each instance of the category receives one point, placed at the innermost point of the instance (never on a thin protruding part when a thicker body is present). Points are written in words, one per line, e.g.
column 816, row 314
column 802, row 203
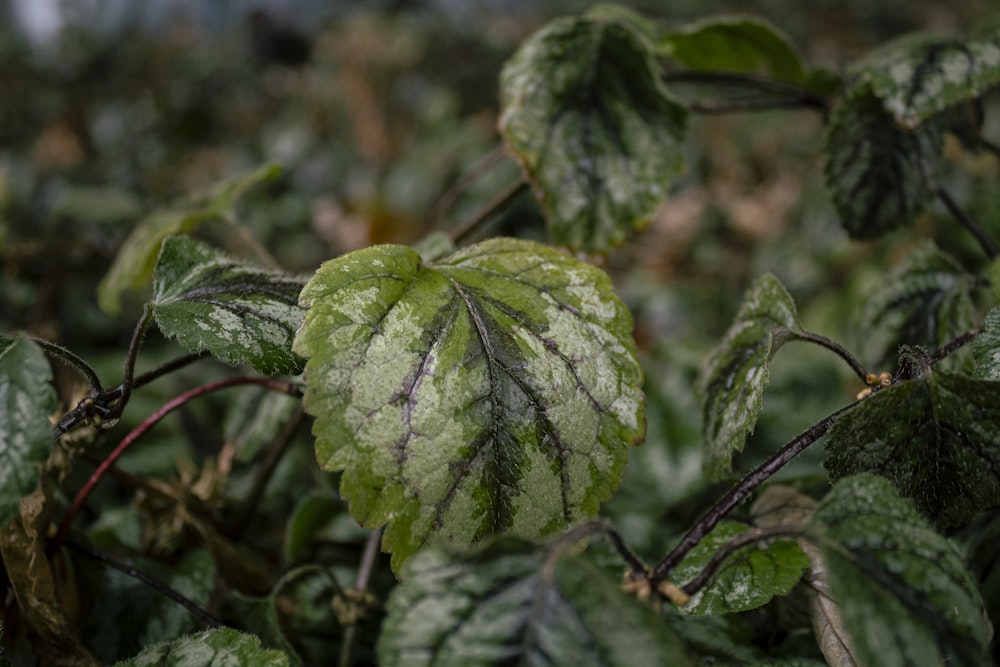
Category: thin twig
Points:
column 128, row 372
column 749, row 103
column 365, row 570
column 166, row 368
column 488, row 211
column 471, row 175
column 954, row 345
column 741, row 490
column 805, row 96
column 201, row 614
column 72, row 360
column 988, row 245
column 989, row 146
column 730, row 547
column 834, row 347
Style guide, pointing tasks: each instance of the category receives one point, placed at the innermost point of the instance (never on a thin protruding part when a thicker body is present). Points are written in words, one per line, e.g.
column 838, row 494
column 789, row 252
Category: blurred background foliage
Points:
column 383, row 117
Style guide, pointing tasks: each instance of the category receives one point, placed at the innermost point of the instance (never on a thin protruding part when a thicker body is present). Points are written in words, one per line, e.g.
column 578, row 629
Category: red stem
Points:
column 148, row 423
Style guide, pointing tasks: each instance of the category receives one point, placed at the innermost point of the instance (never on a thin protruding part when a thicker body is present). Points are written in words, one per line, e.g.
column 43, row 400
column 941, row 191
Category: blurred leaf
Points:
column 880, row 174
column 240, row 313
column 260, row 617
column 27, row 398
column 133, row 265
column 313, row 512
column 904, row 592
column 221, row 647
column 513, row 603
column 595, row 130
column 734, row 44
column 497, row 390
column 733, row 378
column 924, row 301
column 935, row 437
column 918, row 76
column 255, row 418
column 986, row 347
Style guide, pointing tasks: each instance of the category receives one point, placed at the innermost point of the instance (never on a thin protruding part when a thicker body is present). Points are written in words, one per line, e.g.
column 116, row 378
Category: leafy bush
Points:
column 474, row 406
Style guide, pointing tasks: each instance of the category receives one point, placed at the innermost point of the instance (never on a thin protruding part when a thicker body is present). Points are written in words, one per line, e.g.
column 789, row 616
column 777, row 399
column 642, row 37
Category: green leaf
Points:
column 924, row 301
column 734, row 44
column 222, row 647
column 510, row 604
column 259, row 615
column 881, row 175
column 595, row 130
column 917, row 77
column 133, row 265
column 748, row 578
column 904, row 592
column 936, row 438
column 26, row 401
column 986, row 347
column 732, row 380
column 495, row 391
column 240, row 313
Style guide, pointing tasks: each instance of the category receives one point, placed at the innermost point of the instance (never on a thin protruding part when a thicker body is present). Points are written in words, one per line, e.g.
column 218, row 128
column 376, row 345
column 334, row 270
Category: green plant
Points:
column 479, row 404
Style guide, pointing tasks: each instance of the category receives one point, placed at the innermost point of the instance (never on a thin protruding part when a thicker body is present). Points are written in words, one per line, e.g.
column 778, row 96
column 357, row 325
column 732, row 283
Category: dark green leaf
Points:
column 511, row 605
column 917, row 77
column 732, row 381
column 133, row 265
column 936, row 438
column 598, row 135
column 924, row 301
column 734, row 44
column 26, row 401
column 986, row 347
column 881, row 175
column 255, row 419
column 495, row 391
column 260, row 616
column 905, row 595
column 240, row 313
column 223, row 647
column 748, row 578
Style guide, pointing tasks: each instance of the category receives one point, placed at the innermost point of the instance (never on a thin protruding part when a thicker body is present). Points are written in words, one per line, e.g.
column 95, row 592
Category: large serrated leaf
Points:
column 734, row 44
column 510, row 605
column 748, row 578
column 133, row 265
column 597, row 133
column 936, row 438
column 917, row 77
column 495, row 391
column 904, row 593
column 924, row 301
column 732, row 380
column 27, row 398
column 240, row 313
column 986, row 347
column 881, row 175
column 222, row 647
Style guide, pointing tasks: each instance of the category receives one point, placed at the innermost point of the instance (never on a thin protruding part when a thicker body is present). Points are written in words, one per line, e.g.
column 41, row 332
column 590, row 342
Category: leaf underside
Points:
column 903, row 591
column 240, row 313
column 596, row 132
column 733, row 378
column 494, row 391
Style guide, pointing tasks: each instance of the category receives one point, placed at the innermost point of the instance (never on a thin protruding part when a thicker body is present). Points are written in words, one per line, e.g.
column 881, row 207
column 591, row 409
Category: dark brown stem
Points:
column 133, row 352
column 834, row 347
column 741, row 490
column 368, row 559
column 732, row 546
column 488, row 211
column 166, row 368
column 988, row 245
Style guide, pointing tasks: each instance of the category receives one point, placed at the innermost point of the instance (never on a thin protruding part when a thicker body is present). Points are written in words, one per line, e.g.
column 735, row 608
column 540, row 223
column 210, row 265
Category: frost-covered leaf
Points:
column 27, row 398
column 748, row 578
column 904, row 592
column 924, row 301
column 734, row 44
column 595, row 130
column 917, row 77
column 240, row 313
column 222, row 647
column 880, row 174
column 497, row 390
column 133, row 265
column 732, row 380
column 936, row 438
column 509, row 604
column 986, row 347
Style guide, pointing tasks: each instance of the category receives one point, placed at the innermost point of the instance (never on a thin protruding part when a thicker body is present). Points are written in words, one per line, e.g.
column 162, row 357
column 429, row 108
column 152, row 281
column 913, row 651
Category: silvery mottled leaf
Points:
column 986, row 347
column 595, row 130
column 240, row 313
column 494, row 391
column 221, row 647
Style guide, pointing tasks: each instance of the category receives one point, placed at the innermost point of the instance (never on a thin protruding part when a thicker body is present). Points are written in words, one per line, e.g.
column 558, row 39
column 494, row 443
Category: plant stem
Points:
column 130, row 358
column 954, row 344
column 365, row 570
column 988, row 245
column 471, row 175
column 488, row 210
column 166, row 368
column 152, row 420
column 201, row 614
column 71, row 359
column 730, row 547
column 741, row 490
column 834, row 347
column 803, row 96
